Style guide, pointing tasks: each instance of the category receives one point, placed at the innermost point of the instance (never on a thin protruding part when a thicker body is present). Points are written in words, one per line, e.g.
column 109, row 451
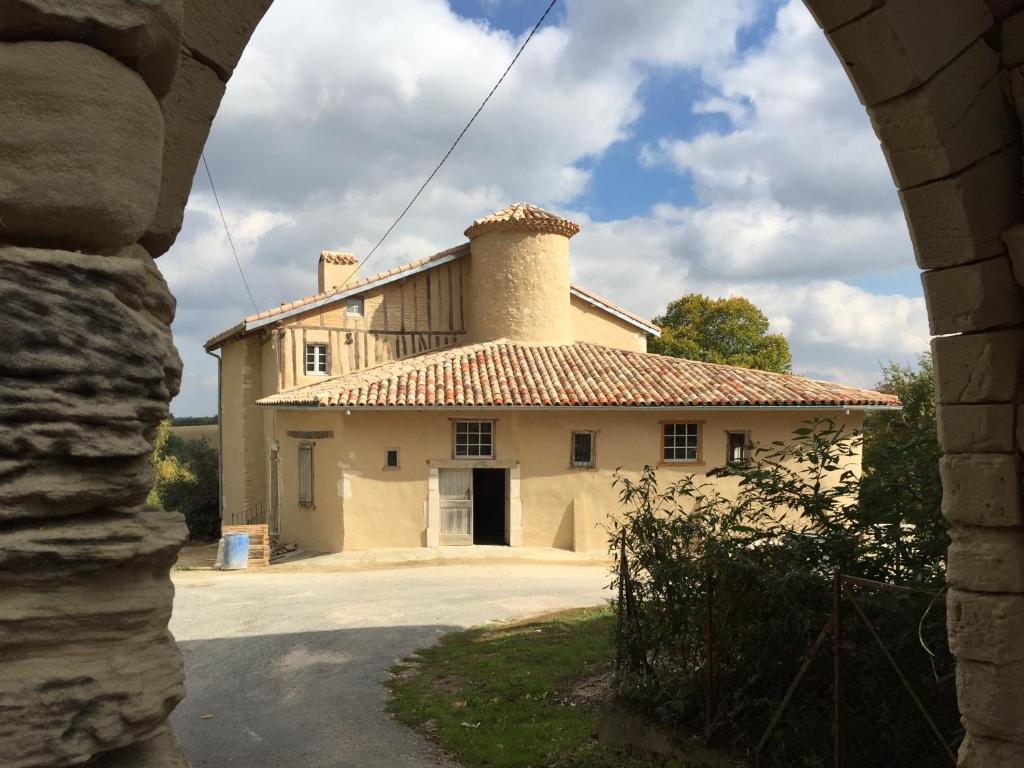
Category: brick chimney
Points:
column 335, row 270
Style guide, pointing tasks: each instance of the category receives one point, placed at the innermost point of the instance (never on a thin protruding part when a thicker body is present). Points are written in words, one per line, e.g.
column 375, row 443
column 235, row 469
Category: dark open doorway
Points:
column 489, row 506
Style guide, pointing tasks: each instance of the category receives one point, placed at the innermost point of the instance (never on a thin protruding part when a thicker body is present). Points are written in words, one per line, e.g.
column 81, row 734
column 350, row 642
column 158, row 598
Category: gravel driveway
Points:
column 289, row 665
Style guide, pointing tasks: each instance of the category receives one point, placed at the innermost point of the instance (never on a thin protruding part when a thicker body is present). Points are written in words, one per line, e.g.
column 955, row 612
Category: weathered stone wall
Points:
column 940, row 81
column 104, row 108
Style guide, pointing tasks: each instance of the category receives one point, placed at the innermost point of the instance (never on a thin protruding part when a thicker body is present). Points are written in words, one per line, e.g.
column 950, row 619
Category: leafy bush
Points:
column 767, row 559
column 901, row 485
column 187, row 481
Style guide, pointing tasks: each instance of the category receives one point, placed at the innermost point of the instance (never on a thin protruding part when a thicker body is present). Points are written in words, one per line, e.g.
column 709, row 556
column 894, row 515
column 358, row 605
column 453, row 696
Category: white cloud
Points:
column 338, row 110
column 610, row 34
column 762, row 240
column 801, row 137
column 833, row 327
column 794, row 198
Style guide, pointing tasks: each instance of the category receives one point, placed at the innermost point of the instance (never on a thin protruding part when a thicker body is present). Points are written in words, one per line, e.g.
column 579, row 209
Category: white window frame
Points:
column 477, row 428
column 398, row 459
column 354, row 306
column 320, row 358
column 682, row 436
column 592, row 461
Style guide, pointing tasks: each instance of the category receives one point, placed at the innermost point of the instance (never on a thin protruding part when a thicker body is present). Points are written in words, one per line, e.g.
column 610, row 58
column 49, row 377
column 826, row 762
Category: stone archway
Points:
column 104, row 110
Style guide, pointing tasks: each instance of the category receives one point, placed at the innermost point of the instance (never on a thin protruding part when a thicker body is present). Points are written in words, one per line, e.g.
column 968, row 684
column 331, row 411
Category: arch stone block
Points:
column 981, row 489
column 987, row 560
column 961, row 219
column 831, row 14
column 81, row 146
column 955, row 119
column 143, row 36
column 986, row 628
column 903, row 43
column 974, row 297
column 188, row 111
column 216, row 31
column 979, row 752
column 987, row 692
column 979, row 367
column 976, row 428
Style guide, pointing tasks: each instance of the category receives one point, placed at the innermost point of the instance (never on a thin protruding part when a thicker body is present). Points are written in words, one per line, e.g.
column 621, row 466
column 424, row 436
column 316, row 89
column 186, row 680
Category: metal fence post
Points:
column 837, row 666
column 709, row 652
column 620, row 623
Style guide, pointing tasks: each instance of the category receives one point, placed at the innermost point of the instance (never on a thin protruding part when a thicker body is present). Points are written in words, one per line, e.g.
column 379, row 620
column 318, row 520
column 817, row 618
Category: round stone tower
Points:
column 518, row 281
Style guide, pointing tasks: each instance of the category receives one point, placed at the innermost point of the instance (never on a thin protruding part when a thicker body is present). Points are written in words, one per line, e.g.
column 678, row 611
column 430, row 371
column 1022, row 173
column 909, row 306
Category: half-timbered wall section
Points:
column 409, row 316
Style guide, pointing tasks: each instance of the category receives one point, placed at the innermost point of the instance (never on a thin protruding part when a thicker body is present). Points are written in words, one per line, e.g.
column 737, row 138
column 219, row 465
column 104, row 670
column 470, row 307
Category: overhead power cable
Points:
column 419, row 191
column 458, row 138
column 228, row 232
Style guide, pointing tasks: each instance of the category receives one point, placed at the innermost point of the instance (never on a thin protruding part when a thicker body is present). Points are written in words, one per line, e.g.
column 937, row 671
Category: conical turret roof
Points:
column 523, row 217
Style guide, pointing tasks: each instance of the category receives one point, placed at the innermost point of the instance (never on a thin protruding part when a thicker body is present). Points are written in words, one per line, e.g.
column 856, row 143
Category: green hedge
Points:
column 768, row 557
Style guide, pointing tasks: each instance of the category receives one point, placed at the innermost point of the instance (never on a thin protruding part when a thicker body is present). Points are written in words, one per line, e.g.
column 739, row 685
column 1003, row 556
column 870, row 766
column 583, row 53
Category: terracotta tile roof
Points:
column 520, row 217
column 505, row 374
column 457, row 251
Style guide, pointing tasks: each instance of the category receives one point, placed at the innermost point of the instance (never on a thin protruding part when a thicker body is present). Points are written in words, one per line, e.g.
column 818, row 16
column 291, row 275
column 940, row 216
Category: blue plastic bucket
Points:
column 236, row 551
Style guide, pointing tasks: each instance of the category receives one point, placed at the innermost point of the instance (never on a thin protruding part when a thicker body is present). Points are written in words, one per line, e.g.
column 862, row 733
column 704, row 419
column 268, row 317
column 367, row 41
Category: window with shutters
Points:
column 305, row 474
column 316, row 359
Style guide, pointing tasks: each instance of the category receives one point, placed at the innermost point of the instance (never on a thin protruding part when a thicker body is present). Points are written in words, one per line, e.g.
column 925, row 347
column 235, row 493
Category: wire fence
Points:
column 852, row 674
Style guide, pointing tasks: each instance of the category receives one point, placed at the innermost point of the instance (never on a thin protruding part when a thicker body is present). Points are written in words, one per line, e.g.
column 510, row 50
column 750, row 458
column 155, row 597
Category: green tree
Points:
column 901, row 488
column 731, row 331
column 186, row 481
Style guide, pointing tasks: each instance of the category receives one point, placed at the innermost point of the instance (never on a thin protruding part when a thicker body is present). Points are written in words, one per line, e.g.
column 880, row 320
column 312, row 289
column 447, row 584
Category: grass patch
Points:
column 517, row 695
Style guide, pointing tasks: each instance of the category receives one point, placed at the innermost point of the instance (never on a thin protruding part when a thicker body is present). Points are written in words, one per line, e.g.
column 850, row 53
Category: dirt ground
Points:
column 197, row 556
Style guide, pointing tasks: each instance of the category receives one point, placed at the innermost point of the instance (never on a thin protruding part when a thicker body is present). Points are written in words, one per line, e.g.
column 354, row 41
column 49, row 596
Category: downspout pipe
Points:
column 220, row 436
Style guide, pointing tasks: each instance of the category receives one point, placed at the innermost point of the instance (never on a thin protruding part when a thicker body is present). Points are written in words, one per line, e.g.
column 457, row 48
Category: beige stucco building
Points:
column 476, row 397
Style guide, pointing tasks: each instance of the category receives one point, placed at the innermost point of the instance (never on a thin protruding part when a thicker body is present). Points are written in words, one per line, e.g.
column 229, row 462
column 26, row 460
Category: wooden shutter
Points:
column 306, row 474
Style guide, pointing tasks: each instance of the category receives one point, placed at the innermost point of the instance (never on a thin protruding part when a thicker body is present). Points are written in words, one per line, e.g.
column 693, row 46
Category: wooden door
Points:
column 456, row 486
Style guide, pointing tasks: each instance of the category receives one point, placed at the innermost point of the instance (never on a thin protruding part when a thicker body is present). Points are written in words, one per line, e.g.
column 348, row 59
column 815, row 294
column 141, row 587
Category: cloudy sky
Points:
column 709, row 146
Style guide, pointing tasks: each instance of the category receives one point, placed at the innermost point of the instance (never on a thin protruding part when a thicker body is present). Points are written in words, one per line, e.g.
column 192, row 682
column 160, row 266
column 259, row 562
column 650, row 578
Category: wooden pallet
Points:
column 259, row 542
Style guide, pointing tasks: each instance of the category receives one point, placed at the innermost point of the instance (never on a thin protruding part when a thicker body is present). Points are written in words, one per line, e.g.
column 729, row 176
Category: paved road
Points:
column 290, row 664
